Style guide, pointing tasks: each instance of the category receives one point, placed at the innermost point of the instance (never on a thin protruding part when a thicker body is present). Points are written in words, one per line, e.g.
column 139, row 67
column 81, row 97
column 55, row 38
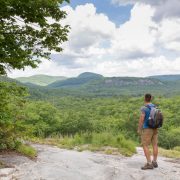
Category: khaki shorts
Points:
column 149, row 136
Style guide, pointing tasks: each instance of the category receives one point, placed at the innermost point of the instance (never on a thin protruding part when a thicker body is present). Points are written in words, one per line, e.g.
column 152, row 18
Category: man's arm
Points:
column 140, row 124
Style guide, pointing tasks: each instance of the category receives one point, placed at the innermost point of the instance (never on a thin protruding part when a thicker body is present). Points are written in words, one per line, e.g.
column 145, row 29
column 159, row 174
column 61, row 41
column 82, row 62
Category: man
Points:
column 148, row 135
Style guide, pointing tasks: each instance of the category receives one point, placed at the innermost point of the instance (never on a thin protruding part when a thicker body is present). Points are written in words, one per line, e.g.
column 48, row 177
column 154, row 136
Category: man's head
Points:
column 147, row 98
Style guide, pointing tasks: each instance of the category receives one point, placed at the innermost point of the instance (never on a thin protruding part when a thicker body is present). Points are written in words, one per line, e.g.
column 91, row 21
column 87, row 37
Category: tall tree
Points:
column 29, row 31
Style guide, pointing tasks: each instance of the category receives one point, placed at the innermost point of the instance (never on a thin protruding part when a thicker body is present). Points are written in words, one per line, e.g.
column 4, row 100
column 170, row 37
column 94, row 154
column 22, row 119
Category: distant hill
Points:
column 82, row 79
column 90, row 75
column 92, row 85
column 34, row 91
column 41, row 80
column 167, row 77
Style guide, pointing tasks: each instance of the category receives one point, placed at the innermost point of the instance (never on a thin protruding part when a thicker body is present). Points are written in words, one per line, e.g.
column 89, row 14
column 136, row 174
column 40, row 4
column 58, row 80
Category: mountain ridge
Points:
column 53, row 79
column 92, row 84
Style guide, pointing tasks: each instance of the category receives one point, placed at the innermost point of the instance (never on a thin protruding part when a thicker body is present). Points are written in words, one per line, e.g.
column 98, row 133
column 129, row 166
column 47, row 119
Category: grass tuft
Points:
column 27, row 150
column 173, row 153
column 177, row 148
column 94, row 142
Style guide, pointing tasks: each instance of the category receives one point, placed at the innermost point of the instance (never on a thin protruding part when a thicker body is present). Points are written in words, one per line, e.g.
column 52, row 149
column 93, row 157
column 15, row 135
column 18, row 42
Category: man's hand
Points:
column 140, row 125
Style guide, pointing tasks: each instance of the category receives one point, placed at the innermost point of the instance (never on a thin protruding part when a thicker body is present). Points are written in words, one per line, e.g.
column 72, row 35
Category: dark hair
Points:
column 148, row 97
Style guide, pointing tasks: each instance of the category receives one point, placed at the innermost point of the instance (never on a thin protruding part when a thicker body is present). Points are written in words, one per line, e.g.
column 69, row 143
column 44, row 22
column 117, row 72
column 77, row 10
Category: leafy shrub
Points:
column 169, row 138
column 12, row 101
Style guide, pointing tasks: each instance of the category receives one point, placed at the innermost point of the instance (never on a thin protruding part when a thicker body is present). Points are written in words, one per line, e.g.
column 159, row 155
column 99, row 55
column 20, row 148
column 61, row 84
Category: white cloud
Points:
column 87, row 27
column 169, row 34
column 140, row 67
column 163, row 8
column 90, row 31
column 48, row 68
column 139, row 47
column 136, row 38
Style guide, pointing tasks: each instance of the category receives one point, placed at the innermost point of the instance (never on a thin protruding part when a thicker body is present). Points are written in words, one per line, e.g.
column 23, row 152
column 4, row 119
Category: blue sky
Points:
column 117, row 14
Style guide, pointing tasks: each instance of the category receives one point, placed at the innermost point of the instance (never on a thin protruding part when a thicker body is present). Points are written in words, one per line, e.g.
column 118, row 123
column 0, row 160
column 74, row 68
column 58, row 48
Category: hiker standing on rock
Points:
column 150, row 119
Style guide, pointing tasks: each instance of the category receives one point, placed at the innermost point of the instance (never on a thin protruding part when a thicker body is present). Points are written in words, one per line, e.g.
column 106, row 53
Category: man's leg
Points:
column 146, row 140
column 155, row 152
column 155, row 147
column 147, row 153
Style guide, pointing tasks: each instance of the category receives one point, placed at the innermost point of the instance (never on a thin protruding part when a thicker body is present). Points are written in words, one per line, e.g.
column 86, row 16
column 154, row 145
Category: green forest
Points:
column 89, row 111
column 74, row 121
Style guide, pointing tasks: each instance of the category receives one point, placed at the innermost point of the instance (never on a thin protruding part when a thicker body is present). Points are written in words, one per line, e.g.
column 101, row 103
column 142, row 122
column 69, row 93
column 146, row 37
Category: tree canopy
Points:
column 29, row 31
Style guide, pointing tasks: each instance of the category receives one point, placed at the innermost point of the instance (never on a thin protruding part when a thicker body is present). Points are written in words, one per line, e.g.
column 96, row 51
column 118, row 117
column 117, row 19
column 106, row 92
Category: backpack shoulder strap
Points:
column 149, row 107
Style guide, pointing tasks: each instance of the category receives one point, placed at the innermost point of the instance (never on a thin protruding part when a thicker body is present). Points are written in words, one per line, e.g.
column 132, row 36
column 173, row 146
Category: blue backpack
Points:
column 155, row 118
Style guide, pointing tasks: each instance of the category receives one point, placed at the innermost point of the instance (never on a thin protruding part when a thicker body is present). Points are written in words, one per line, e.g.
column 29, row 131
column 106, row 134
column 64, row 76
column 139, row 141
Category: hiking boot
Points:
column 147, row 166
column 155, row 164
